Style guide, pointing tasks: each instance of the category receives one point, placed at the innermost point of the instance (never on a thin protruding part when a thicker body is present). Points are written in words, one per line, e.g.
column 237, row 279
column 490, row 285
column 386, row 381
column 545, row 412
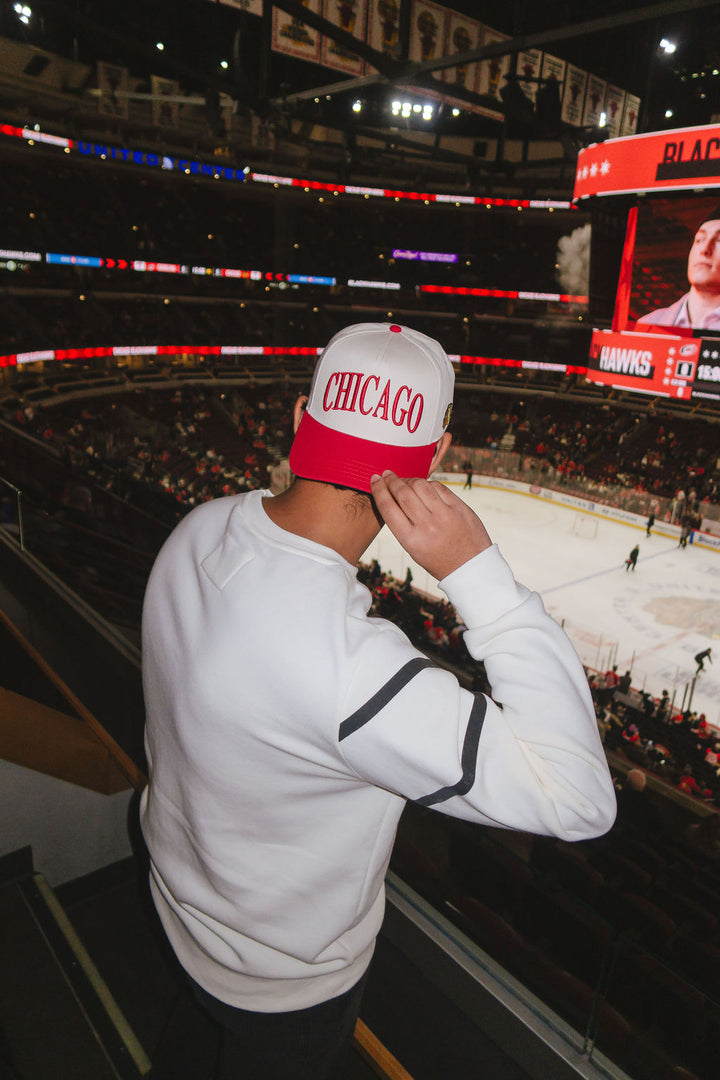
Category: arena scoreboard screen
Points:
column 655, row 262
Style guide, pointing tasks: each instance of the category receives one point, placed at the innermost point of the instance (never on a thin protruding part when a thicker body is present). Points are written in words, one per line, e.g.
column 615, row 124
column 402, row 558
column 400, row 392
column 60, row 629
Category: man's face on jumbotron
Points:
column 704, row 257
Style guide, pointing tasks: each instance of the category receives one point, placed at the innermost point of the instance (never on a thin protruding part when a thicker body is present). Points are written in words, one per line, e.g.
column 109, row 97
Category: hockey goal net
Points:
column 585, row 527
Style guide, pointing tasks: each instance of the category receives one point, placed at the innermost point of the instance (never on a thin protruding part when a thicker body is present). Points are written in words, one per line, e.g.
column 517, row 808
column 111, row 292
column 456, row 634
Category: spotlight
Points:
column 159, row 46
column 357, row 106
column 668, row 47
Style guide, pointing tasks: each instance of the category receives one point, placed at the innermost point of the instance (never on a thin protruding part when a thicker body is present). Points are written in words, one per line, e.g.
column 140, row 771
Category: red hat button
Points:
column 396, row 329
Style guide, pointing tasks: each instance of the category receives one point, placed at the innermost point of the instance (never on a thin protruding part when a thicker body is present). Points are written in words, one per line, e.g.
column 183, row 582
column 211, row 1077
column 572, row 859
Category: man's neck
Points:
column 338, row 519
column 700, row 304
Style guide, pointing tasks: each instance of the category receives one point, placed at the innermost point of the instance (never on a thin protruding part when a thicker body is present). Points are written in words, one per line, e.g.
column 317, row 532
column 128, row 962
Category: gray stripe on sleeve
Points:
column 468, row 758
column 384, row 695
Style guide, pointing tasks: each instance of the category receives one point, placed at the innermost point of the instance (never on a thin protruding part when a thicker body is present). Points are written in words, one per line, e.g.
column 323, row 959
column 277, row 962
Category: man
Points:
column 624, row 683
column 631, row 561
column 286, row 729
column 637, row 814
column 700, row 659
column 611, row 681
column 700, row 307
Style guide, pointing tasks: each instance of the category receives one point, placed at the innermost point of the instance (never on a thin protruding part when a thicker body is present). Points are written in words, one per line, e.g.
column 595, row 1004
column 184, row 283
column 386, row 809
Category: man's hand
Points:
column 436, row 528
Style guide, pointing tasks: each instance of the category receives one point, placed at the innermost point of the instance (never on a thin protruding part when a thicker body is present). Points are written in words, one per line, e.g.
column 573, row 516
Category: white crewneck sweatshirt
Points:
column 286, row 729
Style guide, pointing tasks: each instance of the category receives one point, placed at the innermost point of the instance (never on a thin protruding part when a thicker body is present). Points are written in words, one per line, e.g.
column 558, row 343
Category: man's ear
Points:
column 441, row 449
column 298, row 411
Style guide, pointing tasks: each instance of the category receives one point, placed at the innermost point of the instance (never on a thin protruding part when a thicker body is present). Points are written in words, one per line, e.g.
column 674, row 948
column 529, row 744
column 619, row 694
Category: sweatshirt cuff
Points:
column 483, row 588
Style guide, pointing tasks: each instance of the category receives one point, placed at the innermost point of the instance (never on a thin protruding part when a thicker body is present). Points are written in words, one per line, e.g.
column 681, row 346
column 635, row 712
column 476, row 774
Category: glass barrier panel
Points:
column 619, row 937
column 671, row 1025
column 493, row 886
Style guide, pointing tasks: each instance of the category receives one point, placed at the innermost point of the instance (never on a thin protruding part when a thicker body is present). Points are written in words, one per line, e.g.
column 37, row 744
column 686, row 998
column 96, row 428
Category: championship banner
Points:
column 253, row 7
column 294, row 37
column 350, row 16
column 427, row 31
column 463, row 35
column 660, row 364
column 614, row 105
column 528, row 71
column 492, row 73
column 113, row 86
column 594, row 101
column 553, row 70
column 383, row 27
column 631, row 112
column 574, row 96
column 659, row 161
column 164, row 113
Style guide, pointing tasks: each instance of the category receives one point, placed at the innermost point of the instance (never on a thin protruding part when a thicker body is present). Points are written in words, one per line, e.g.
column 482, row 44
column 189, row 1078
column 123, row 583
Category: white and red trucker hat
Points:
column 381, row 397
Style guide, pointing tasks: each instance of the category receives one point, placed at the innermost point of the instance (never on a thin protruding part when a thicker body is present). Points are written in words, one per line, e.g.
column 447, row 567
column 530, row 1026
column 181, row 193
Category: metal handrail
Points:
column 18, row 496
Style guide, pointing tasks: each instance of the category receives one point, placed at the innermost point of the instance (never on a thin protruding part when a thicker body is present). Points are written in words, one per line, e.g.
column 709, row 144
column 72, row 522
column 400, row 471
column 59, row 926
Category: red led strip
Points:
column 504, row 294
column 341, row 189
column 92, row 353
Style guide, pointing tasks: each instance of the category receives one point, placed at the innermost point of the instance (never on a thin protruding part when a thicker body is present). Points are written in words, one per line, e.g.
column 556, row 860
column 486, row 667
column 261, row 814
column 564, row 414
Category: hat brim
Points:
column 320, row 453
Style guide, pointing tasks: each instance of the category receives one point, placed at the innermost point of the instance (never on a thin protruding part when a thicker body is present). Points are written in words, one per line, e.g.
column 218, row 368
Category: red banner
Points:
column 659, row 161
column 662, row 364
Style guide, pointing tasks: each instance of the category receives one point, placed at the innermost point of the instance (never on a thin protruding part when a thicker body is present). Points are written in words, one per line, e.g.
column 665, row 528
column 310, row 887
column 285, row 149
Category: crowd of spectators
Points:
column 95, row 320
column 647, row 463
column 91, row 207
column 157, row 309
column 184, row 446
column 638, row 458
column 605, row 451
column 676, row 744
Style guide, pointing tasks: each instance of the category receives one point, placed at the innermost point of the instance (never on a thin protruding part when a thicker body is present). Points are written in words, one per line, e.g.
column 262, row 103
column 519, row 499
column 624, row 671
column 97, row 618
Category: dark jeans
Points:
column 306, row 1044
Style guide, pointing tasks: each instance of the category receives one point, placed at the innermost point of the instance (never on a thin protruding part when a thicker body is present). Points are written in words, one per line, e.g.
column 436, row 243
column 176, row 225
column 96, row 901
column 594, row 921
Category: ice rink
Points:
column 652, row 621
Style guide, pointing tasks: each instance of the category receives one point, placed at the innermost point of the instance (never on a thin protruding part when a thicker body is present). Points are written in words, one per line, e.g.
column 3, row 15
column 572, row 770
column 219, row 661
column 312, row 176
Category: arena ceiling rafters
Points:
column 219, row 55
